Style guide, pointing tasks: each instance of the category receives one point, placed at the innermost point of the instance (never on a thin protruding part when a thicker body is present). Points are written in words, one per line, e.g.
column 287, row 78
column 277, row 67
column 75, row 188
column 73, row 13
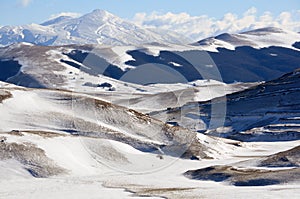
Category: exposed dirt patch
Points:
column 33, row 158
column 245, row 176
column 289, row 158
column 13, row 132
column 159, row 191
column 4, row 95
column 45, row 134
column 16, row 133
column 165, row 192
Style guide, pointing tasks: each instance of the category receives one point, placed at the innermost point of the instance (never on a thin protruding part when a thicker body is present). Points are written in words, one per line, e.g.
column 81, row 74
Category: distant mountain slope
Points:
column 57, row 66
column 255, row 171
column 96, row 27
column 258, row 38
column 267, row 112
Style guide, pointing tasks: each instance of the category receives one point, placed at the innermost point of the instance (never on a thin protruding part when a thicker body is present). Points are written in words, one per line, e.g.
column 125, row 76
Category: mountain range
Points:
column 262, row 55
column 95, row 106
column 98, row 26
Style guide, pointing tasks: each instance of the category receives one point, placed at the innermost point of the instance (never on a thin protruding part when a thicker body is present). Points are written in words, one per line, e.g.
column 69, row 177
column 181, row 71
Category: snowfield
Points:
column 99, row 154
column 87, row 172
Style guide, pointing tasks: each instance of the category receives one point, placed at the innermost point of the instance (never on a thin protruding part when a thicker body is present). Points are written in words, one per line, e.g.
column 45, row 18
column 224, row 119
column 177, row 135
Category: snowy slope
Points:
column 65, row 68
column 84, row 147
column 258, row 38
column 88, row 177
column 46, row 147
column 76, row 65
column 98, row 26
column 77, row 68
column 43, row 110
column 266, row 112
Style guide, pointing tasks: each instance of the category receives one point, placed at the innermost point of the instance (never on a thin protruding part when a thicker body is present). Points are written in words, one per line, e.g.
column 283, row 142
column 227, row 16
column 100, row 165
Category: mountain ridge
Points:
column 256, row 38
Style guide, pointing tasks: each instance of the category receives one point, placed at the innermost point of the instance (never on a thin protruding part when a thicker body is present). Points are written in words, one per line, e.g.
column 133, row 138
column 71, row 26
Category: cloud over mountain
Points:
column 25, row 3
column 65, row 14
column 198, row 27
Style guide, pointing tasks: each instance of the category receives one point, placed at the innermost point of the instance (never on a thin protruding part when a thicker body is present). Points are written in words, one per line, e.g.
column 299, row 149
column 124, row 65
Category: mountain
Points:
column 258, row 38
column 271, row 111
column 98, row 26
column 119, row 70
column 66, row 141
column 29, row 115
column 76, row 66
column 72, row 116
column 255, row 171
column 267, row 112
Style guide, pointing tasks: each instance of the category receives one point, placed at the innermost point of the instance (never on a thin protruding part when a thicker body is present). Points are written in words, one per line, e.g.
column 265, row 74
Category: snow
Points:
column 12, row 170
column 121, row 56
column 260, row 38
column 76, row 159
column 124, row 147
column 98, row 26
column 175, row 64
column 212, row 47
column 73, row 187
column 125, row 93
column 101, row 167
column 7, row 85
column 15, row 104
column 157, row 97
column 105, row 168
column 285, row 39
column 89, row 176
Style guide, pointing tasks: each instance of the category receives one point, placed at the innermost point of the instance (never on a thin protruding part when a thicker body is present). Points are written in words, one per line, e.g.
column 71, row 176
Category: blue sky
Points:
column 14, row 12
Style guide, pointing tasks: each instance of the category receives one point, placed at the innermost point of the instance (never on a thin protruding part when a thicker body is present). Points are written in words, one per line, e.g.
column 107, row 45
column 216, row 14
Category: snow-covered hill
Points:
column 46, row 132
column 74, row 65
column 98, row 26
column 266, row 112
column 258, row 38
column 57, row 111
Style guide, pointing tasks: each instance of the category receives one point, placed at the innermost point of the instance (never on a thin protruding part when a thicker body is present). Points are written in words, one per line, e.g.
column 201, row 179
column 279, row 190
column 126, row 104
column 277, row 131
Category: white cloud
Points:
column 25, row 3
column 250, row 11
column 67, row 14
column 199, row 27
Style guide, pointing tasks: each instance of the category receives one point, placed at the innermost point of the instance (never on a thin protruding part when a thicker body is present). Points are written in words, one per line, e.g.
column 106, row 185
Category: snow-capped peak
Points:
column 56, row 20
column 100, row 13
column 99, row 26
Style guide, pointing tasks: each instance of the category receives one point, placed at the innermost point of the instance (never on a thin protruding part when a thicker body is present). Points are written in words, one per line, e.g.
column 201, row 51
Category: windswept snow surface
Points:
column 91, row 157
column 89, row 177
